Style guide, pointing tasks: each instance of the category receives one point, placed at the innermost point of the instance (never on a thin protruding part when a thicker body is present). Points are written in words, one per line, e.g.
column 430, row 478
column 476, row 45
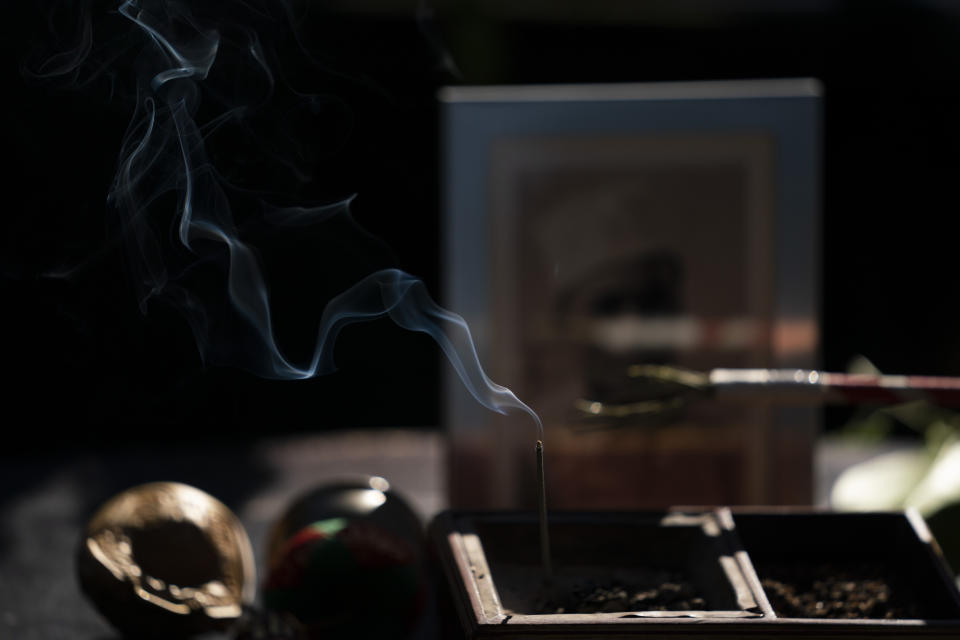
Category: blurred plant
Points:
column 925, row 477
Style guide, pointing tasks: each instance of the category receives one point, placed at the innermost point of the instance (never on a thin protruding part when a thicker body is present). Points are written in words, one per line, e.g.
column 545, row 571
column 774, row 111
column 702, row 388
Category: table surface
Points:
column 46, row 499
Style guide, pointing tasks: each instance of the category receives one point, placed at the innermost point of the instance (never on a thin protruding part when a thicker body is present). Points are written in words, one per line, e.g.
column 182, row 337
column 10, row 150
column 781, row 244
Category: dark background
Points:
column 84, row 366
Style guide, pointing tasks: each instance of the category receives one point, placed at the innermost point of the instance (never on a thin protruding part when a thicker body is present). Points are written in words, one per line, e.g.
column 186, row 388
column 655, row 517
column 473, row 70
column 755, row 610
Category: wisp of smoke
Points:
column 164, row 160
column 405, row 300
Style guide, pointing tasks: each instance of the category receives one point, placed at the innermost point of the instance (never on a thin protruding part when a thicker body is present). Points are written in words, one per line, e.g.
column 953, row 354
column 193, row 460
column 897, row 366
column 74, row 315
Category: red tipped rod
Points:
column 818, row 387
column 664, row 389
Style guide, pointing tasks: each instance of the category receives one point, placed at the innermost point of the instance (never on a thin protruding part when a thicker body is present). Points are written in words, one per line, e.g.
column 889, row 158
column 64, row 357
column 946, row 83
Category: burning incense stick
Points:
column 542, row 502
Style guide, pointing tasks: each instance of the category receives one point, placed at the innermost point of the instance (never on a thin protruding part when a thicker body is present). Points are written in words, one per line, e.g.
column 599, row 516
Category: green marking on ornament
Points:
column 330, row 527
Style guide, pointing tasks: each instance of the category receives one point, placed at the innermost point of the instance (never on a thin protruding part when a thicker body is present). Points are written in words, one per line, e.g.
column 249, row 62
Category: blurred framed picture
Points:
column 590, row 228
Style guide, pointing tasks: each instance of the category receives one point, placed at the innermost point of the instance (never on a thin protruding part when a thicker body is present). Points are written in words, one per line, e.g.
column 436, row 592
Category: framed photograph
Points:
column 591, row 228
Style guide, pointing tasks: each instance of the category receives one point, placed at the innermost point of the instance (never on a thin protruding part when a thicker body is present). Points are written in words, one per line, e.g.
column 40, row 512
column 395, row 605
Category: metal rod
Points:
column 663, row 390
column 542, row 503
column 822, row 387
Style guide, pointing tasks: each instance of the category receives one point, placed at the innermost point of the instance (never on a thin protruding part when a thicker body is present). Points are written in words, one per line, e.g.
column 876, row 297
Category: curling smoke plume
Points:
column 189, row 59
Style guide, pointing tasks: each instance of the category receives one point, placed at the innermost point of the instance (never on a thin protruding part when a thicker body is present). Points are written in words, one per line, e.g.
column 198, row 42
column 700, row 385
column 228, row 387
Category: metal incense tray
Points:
column 490, row 583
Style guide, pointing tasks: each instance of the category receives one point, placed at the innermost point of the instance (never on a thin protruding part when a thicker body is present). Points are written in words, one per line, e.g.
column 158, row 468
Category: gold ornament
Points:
column 166, row 559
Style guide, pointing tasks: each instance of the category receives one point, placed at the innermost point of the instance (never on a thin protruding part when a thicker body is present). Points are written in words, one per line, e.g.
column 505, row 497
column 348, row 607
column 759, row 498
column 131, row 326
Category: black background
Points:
column 84, row 366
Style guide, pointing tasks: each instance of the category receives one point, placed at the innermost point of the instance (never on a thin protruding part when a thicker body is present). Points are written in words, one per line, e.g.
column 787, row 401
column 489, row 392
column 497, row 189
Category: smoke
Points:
column 301, row 216
column 405, row 300
column 203, row 70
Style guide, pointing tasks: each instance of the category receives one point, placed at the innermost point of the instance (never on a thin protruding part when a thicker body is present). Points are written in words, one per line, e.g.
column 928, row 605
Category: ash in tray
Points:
column 596, row 590
column 837, row 591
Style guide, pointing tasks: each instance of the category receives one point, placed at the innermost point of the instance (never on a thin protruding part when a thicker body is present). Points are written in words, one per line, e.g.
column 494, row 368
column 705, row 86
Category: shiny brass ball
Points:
column 166, row 560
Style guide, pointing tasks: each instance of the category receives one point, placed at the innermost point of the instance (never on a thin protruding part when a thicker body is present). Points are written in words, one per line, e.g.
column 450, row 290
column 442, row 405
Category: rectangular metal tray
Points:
column 717, row 549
